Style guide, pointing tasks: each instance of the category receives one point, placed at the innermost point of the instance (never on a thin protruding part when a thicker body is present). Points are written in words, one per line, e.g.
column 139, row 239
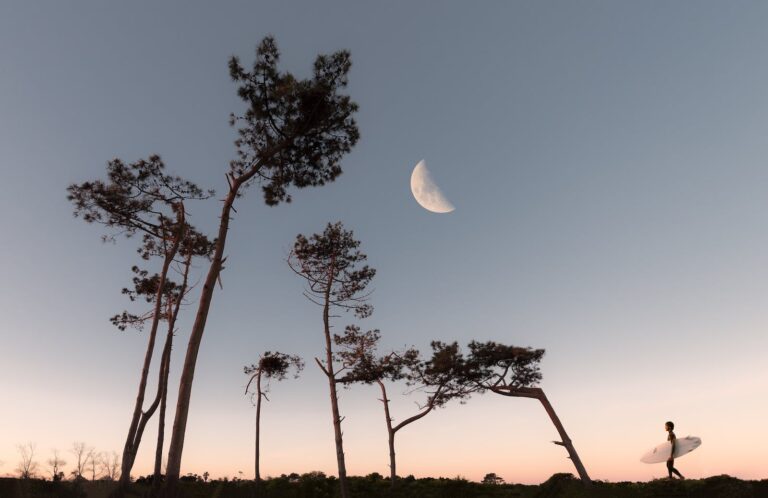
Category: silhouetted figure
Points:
column 669, row 426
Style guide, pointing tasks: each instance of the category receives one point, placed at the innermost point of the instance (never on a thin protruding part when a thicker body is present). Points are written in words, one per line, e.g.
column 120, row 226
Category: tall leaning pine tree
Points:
column 336, row 278
column 294, row 132
column 141, row 198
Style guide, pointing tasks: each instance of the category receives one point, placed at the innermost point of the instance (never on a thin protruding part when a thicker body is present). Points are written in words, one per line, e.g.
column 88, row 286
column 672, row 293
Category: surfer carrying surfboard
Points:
column 670, row 426
column 671, row 449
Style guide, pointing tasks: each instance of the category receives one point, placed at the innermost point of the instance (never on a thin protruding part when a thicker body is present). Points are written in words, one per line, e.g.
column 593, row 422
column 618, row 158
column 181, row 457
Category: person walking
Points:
column 670, row 426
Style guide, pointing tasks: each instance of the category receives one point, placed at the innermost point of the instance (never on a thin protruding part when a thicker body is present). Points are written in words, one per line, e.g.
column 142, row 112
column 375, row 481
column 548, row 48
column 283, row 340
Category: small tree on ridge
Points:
column 271, row 366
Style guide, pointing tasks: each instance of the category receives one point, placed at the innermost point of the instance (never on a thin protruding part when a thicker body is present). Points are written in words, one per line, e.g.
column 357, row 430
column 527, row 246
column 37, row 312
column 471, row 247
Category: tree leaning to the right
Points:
column 293, row 133
column 514, row 371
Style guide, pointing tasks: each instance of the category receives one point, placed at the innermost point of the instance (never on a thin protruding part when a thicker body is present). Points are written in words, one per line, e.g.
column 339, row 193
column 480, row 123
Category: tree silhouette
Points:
column 336, row 277
column 141, row 198
column 440, row 379
column 83, row 455
column 56, row 463
column 27, row 467
column 271, row 366
column 294, row 132
column 110, row 466
column 93, row 463
column 514, row 371
column 492, row 478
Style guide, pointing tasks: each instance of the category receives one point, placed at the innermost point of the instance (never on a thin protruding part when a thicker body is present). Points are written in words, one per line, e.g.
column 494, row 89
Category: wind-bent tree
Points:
column 293, row 133
column 336, row 278
column 140, row 198
column 440, row 378
column 271, row 366
column 514, row 371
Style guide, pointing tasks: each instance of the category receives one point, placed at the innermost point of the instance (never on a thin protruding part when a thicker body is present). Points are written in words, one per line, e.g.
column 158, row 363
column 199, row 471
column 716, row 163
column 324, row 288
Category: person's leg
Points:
column 676, row 472
column 670, row 467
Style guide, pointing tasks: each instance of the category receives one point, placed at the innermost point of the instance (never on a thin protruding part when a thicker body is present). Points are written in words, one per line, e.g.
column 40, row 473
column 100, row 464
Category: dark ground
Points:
column 317, row 485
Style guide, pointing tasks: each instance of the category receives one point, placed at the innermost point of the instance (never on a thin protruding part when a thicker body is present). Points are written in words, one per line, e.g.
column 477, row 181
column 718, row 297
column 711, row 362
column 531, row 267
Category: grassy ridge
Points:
column 317, row 485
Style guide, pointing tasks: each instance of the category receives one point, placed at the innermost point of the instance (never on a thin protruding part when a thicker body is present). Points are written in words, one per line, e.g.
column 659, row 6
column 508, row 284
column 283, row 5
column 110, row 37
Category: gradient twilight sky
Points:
column 607, row 161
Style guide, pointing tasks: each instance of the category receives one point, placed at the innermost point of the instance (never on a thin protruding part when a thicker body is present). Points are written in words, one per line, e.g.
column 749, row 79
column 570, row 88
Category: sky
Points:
column 607, row 161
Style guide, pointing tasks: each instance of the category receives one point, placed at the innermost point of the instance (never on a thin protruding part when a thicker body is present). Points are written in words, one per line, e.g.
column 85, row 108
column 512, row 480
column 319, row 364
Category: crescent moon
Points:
column 426, row 192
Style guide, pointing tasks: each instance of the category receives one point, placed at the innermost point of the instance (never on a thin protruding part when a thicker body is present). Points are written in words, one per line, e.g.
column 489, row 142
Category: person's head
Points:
column 669, row 426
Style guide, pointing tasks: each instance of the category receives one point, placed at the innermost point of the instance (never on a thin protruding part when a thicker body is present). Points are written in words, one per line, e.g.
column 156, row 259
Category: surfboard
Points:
column 660, row 453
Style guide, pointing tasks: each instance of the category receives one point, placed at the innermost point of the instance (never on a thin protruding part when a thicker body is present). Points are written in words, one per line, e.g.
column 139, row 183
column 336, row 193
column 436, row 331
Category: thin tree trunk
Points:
column 131, row 442
column 390, row 435
column 393, row 430
column 338, row 438
column 538, row 393
column 173, row 314
column 161, row 417
column 147, row 415
column 157, row 475
column 158, row 472
column 332, row 387
column 257, row 478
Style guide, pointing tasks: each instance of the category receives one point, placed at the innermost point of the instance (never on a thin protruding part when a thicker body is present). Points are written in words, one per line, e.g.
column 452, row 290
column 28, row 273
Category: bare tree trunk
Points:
column 338, row 439
column 257, row 478
column 190, row 360
column 334, row 396
column 173, row 315
column 92, row 456
column 390, row 435
column 131, row 441
column 193, row 346
column 161, row 417
column 538, row 393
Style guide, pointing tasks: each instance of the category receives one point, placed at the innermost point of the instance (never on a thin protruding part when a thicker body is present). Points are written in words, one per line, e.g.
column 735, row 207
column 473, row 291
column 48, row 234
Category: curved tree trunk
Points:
column 538, row 393
column 138, row 421
column 193, row 347
column 390, row 435
column 392, row 431
column 157, row 476
column 173, row 313
column 176, row 446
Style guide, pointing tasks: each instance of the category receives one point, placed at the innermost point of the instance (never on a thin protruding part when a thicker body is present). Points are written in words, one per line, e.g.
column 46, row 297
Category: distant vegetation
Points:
column 318, row 485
